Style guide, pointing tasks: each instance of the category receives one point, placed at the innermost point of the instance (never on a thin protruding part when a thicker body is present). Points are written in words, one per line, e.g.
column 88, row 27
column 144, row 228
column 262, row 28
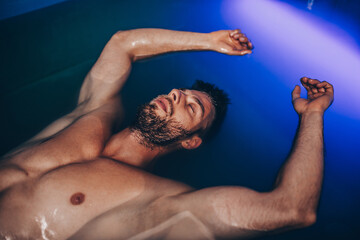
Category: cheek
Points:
column 183, row 119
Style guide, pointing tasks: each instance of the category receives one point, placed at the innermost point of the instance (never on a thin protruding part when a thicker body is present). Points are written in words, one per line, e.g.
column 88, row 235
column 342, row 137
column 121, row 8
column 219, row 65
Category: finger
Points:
column 327, row 86
column 313, row 81
column 236, row 36
column 241, row 52
column 245, row 46
column 250, row 45
column 244, row 41
column 316, row 95
column 320, row 87
column 239, row 40
column 296, row 92
column 313, row 89
column 244, row 52
column 238, row 46
column 308, row 84
column 243, row 38
column 314, row 86
column 304, row 82
column 304, row 79
column 238, row 51
column 233, row 32
column 322, row 90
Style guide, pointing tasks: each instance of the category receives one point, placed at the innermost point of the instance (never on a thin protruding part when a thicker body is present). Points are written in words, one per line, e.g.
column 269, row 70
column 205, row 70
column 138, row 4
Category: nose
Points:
column 176, row 95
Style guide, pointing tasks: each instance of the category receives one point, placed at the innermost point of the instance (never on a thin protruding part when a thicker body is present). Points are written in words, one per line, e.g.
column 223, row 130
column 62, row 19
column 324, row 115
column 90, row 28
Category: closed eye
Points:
column 192, row 108
column 199, row 103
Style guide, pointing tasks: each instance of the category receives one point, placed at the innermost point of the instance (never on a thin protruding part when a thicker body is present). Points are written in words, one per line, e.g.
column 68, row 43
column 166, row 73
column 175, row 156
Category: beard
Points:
column 155, row 130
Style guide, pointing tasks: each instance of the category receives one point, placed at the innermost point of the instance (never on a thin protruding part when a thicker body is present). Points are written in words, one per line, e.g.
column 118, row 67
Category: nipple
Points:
column 77, row 198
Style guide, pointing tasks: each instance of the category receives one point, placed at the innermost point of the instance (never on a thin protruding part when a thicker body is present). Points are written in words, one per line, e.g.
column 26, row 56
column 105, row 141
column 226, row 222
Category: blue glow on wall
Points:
column 291, row 43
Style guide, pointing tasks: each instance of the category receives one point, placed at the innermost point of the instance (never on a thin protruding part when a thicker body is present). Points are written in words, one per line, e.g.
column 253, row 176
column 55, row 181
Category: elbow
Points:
column 294, row 219
column 302, row 219
column 122, row 40
column 309, row 219
column 120, row 36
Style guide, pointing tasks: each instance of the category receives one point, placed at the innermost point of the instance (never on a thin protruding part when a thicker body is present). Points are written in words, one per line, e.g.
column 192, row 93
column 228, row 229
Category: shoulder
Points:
column 91, row 123
column 82, row 139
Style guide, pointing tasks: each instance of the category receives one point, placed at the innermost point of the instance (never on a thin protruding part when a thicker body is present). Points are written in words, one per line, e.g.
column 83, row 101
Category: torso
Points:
column 59, row 202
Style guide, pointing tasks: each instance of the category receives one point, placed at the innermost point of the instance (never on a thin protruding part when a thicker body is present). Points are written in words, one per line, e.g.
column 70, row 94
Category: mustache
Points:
column 170, row 104
column 168, row 99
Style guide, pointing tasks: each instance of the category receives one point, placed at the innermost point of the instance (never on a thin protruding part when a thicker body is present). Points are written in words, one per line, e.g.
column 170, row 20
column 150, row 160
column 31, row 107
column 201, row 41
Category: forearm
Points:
column 144, row 43
column 301, row 177
column 111, row 70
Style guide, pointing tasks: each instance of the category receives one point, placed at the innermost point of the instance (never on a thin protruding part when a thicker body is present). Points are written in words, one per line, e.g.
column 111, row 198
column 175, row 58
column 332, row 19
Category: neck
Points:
column 126, row 147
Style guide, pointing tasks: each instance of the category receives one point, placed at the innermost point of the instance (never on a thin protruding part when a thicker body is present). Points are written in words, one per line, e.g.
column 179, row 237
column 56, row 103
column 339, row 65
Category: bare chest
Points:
column 60, row 202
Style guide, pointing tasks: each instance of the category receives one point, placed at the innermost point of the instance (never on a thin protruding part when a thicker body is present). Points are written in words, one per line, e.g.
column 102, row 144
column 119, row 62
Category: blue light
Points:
column 293, row 43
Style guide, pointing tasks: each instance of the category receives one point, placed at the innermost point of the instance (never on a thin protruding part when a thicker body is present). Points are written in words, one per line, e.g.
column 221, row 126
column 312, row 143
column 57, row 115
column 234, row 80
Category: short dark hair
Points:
column 220, row 100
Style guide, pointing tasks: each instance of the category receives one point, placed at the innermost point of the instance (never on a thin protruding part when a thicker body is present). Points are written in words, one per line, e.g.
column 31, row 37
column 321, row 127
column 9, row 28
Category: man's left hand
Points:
column 320, row 96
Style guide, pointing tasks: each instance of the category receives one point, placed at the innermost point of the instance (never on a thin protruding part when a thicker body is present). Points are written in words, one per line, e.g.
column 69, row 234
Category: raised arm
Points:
column 105, row 80
column 302, row 173
column 110, row 72
column 240, row 212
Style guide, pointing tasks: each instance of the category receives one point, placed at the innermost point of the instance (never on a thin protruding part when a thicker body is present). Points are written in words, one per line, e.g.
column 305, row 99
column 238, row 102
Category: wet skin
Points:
column 78, row 179
column 57, row 202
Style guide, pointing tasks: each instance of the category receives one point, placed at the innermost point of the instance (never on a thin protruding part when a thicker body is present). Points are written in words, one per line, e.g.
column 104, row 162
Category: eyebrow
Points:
column 201, row 106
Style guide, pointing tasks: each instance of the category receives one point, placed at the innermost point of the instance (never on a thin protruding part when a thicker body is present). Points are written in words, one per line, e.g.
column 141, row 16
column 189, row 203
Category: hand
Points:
column 320, row 96
column 231, row 42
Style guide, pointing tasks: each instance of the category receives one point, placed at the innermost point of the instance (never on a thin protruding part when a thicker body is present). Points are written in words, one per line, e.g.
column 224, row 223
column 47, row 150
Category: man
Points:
column 78, row 179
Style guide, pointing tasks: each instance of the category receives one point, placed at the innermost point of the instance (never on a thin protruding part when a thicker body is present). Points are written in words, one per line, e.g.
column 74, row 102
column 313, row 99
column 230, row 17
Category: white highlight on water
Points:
column 55, row 212
column 44, row 226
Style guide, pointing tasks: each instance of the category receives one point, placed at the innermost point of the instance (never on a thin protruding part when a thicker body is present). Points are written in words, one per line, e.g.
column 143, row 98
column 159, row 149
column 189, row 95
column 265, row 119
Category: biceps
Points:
column 237, row 211
column 246, row 209
column 109, row 73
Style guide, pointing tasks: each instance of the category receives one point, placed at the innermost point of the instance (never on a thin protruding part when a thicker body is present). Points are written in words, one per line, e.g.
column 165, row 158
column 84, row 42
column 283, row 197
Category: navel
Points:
column 77, row 198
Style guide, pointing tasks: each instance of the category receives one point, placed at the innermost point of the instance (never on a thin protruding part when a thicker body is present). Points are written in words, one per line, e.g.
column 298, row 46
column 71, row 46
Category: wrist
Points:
column 213, row 40
column 208, row 42
column 308, row 114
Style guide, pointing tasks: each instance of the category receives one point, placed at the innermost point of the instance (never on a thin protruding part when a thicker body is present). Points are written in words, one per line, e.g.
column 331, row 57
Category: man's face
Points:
column 173, row 117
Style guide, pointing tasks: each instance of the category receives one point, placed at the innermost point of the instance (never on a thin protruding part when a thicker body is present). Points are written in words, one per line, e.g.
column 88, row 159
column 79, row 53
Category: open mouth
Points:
column 161, row 102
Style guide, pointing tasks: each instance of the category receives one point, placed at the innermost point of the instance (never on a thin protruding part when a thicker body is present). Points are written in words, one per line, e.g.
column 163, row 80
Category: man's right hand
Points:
column 231, row 42
column 320, row 96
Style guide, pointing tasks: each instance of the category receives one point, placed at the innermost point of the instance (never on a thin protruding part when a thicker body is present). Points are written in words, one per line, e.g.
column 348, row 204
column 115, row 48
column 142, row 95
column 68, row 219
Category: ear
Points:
column 191, row 143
